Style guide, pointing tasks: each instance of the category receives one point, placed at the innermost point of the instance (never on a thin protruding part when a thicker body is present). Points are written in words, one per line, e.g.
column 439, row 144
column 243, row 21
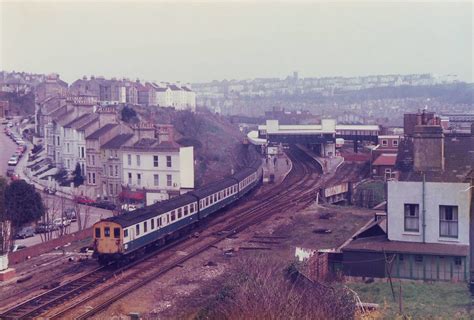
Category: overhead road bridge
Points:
column 320, row 136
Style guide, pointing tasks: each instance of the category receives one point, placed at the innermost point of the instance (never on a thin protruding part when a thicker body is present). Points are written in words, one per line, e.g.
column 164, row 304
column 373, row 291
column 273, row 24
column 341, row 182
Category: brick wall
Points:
column 40, row 248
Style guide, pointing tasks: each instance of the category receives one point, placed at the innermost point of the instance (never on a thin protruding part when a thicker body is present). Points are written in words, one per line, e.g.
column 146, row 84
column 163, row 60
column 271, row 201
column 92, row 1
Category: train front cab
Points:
column 108, row 240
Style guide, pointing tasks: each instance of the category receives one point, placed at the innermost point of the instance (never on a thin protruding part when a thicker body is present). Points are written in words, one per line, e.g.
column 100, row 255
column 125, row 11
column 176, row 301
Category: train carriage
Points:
column 124, row 234
column 132, row 232
column 216, row 195
column 247, row 178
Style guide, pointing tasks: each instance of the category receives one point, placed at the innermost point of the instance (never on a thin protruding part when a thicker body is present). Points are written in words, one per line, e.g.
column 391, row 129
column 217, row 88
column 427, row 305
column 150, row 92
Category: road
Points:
column 55, row 203
column 7, row 147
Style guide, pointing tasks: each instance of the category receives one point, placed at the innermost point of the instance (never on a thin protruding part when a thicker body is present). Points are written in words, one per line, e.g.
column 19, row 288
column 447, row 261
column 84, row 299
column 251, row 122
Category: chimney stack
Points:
column 428, row 148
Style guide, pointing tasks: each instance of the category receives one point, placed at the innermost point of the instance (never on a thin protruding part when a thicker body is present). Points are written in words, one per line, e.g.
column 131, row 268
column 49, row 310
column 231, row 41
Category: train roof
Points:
column 133, row 217
column 214, row 187
column 244, row 173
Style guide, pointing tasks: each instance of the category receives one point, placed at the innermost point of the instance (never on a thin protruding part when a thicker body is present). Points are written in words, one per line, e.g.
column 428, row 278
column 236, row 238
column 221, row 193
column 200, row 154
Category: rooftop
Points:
column 98, row 133
column 385, row 159
column 118, row 141
column 382, row 244
column 147, row 144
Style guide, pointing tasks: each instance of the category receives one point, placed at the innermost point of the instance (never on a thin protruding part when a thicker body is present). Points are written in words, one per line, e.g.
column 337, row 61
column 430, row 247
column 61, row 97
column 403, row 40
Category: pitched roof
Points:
column 147, row 144
column 70, row 124
column 174, row 87
column 118, row 141
column 381, row 244
column 161, row 89
column 385, row 159
column 99, row 132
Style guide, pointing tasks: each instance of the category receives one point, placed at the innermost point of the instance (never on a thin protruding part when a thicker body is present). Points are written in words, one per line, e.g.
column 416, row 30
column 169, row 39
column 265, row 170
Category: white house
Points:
column 430, row 212
column 155, row 169
column 164, row 97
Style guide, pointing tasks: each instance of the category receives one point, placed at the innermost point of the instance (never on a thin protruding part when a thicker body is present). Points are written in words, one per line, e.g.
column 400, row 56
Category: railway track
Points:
column 292, row 194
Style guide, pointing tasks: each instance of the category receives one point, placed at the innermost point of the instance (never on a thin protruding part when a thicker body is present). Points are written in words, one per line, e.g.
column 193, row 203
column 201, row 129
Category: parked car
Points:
column 44, row 227
column 17, row 247
column 13, row 160
column 4, row 121
column 25, row 232
column 20, row 142
column 71, row 214
column 10, row 124
column 61, row 222
column 129, row 207
column 105, row 204
column 49, row 190
column 83, row 200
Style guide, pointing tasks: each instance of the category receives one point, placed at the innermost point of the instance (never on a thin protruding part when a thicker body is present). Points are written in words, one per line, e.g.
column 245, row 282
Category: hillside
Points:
column 217, row 142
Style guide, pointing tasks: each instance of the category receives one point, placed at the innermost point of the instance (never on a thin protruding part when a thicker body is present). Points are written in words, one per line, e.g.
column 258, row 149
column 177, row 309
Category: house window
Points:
column 169, row 180
column 129, row 159
column 111, row 173
column 116, row 171
column 138, row 160
column 139, row 179
column 448, row 221
column 155, row 161
column 457, row 261
column 168, row 161
column 395, row 143
column 156, row 180
column 82, row 153
column 93, row 160
column 129, row 178
column 93, row 178
column 111, row 189
column 384, row 143
column 418, row 258
column 412, row 217
column 67, row 146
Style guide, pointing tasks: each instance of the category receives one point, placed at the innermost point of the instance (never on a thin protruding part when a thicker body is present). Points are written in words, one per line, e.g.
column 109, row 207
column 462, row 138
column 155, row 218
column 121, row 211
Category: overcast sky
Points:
column 195, row 42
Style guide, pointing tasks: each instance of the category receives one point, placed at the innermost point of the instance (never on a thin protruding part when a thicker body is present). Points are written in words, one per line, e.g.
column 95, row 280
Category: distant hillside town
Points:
column 107, row 91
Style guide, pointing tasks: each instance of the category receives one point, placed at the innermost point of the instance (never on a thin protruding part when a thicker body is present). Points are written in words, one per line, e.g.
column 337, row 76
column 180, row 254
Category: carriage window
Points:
column 145, row 226
column 158, row 221
column 152, row 224
column 207, row 201
column 186, row 210
column 137, row 229
column 97, row 232
column 173, row 215
column 125, row 233
column 107, row 231
column 116, row 233
column 167, row 218
column 179, row 213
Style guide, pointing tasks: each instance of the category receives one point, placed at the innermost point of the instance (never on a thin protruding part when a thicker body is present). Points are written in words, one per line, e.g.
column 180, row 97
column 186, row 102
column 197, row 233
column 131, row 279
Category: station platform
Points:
column 329, row 165
column 278, row 165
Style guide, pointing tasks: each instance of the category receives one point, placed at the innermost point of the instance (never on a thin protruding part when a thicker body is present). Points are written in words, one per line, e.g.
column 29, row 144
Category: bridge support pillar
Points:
column 356, row 145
